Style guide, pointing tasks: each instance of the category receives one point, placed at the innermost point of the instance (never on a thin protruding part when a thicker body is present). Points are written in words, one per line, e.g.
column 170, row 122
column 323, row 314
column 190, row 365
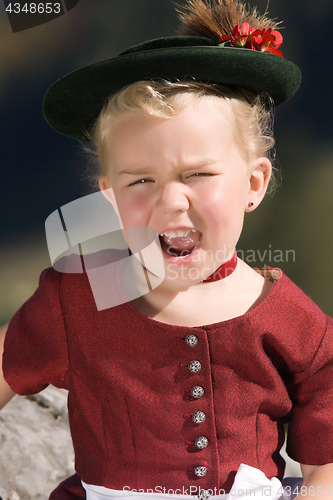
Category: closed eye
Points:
column 201, row 174
column 140, row 181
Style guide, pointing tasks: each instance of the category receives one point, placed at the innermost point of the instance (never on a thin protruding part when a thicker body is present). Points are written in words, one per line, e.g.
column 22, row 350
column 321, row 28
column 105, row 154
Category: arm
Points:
column 6, row 393
column 319, row 479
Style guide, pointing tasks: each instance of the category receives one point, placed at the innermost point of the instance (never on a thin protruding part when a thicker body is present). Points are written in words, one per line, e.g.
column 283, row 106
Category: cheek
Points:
column 133, row 209
column 221, row 202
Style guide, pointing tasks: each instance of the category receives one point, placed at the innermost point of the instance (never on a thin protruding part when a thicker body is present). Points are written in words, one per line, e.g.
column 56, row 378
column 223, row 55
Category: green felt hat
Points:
column 73, row 103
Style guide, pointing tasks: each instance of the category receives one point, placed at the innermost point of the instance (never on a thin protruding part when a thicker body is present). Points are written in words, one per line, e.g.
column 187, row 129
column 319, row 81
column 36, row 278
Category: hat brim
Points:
column 73, row 103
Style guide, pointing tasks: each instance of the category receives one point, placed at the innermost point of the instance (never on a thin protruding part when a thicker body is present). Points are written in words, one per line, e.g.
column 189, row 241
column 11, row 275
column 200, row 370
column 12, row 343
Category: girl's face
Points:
column 181, row 175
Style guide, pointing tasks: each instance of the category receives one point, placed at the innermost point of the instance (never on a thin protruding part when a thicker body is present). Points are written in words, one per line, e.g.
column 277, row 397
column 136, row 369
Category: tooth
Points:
column 178, row 234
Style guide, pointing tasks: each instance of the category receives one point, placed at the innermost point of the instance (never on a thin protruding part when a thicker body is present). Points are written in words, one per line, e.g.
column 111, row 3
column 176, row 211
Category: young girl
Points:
column 181, row 388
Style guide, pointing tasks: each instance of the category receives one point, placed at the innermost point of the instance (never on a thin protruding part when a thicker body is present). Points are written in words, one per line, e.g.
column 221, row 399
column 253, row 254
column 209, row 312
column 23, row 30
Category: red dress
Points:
column 138, row 404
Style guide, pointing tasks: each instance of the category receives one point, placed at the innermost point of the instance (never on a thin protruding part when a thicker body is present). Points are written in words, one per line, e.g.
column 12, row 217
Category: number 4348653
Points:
column 34, row 8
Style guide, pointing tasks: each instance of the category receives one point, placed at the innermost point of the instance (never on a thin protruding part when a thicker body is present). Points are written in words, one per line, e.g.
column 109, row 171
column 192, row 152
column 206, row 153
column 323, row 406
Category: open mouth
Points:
column 180, row 243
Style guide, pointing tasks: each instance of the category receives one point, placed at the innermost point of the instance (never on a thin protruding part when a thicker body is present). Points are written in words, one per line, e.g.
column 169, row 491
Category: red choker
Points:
column 224, row 270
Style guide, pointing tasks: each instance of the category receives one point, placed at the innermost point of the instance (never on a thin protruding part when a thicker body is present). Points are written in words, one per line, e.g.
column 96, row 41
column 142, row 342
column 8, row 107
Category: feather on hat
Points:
column 219, row 17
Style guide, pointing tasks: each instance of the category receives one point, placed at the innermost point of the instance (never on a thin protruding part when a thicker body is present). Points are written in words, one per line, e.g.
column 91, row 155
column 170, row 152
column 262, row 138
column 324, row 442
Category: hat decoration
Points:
column 215, row 18
column 220, row 42
column 251, row 38
column 230, row 21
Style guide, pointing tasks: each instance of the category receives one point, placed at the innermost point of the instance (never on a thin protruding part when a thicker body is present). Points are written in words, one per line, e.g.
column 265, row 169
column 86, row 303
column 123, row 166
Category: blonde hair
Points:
column 252, row 116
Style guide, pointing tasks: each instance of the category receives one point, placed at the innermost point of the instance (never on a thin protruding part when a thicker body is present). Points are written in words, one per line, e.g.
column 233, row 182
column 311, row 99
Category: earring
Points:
column 250, row 204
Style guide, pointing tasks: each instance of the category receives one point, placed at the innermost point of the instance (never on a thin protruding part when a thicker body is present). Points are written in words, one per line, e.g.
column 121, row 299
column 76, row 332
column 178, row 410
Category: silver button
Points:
column 192, row 340
column 201, row 442
column 200, row 470
column 197, row 392
column 194, row 366
column 198, row 417
column 203, row 495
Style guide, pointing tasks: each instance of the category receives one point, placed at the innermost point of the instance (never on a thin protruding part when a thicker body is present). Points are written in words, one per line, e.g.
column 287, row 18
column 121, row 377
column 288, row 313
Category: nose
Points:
column 173, row 198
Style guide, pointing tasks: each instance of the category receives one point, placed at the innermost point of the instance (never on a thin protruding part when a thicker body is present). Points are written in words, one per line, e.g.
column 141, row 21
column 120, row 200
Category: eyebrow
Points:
column 140, row 171
column 148, row 171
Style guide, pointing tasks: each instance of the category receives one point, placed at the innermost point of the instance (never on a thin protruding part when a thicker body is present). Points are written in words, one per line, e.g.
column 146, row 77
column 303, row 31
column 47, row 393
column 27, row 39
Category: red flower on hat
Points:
column 266, row 40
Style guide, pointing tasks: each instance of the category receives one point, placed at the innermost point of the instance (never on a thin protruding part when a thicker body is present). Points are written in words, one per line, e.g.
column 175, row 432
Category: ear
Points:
column 107, row 191
column 258, row 183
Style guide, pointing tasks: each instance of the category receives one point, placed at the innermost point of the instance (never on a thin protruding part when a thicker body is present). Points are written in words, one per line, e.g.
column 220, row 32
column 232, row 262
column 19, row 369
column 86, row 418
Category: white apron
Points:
column 249, row 483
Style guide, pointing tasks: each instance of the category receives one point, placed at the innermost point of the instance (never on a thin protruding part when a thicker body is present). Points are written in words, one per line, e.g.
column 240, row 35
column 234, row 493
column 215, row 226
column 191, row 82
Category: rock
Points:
column 36, row 451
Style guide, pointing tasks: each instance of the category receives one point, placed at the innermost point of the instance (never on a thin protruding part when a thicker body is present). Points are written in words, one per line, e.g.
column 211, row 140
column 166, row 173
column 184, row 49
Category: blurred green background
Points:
column 42, row 170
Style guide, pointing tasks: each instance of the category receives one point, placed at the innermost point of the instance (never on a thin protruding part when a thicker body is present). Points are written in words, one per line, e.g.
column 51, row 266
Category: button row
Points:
column 198, row 417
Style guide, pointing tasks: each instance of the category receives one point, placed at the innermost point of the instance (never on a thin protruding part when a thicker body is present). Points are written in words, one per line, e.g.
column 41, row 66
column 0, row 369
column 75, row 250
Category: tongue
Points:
column 182, row 243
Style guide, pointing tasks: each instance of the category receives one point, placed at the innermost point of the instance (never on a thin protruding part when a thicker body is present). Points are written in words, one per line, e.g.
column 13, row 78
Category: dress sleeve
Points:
column 35, row 351
column 310, row 434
